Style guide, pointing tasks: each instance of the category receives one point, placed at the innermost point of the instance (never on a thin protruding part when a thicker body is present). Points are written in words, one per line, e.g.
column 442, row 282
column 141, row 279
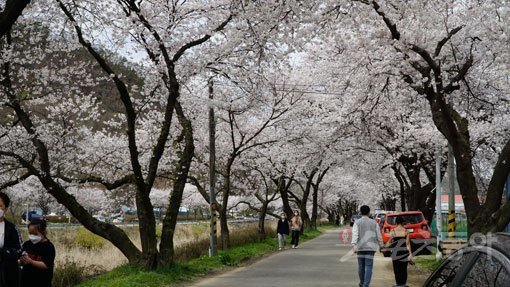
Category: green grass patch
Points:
column 181, row 272
column 88, row 240
column 428, row 262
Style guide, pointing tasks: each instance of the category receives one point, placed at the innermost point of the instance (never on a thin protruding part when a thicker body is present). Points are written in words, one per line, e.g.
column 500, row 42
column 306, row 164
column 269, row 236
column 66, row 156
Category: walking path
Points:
column 320, row 262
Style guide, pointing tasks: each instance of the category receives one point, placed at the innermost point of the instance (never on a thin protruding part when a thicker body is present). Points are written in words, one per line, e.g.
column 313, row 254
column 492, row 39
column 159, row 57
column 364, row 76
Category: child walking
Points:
column 283, row 230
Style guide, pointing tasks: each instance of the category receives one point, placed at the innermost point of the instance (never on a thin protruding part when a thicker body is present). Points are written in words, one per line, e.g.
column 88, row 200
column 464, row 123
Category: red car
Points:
column 416, row 225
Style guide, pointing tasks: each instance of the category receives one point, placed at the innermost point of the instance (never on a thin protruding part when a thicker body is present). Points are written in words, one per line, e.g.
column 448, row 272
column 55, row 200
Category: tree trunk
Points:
column 398, row 175
column 224, row 232
column 180, row 175
column 306, row 193
column 315, row 198
column 108, row 231
column 147, row 230
column 283, row 188
column 262, row 221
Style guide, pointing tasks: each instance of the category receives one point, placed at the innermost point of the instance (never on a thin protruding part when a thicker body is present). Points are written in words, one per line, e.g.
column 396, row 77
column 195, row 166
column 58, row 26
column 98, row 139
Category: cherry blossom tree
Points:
column 439, row 54
column 139, row 144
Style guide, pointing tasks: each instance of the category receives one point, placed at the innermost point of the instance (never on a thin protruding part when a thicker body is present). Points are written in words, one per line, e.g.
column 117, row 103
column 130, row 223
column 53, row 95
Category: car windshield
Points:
column 408, row 218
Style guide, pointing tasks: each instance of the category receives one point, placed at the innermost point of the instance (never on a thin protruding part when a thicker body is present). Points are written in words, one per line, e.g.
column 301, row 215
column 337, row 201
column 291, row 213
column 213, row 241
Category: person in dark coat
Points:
column 283, row 230
column 10, row 247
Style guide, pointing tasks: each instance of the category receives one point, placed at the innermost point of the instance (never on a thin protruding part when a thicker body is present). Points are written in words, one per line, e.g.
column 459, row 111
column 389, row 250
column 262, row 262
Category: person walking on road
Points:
column 283, row 229
column 401, row 253
column 295, row 225
column 366, row 240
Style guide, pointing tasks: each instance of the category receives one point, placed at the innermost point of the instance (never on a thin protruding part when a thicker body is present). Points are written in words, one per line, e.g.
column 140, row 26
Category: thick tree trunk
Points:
column 166, row 246
column 315, row 198
column 223, row 211
column 283, row 188
column 304, row 201
column 262, row 221
column 224, row 232
column 398, row 175
column 147, row 230
column 455, row 129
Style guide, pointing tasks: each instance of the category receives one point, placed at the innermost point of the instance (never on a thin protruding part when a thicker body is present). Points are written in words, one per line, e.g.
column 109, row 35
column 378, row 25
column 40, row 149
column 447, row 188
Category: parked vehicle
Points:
column 354, row 218
column 32, row 215
column 100, row 218
column 416, row 225
column 485, row 262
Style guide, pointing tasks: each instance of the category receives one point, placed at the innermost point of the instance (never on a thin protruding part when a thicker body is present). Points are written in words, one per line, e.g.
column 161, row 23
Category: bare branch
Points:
column 128, row 179
column 15, row 181
column 446, row 39
column 202, row 40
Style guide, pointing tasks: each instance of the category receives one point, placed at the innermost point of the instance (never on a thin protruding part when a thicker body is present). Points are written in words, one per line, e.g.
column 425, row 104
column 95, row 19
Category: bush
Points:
column 88, row 240
column 226, row 259
column 57, row 218
column 68, row 274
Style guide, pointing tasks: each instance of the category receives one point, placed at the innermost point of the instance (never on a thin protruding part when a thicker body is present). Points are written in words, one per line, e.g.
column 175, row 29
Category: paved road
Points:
column 317, row 263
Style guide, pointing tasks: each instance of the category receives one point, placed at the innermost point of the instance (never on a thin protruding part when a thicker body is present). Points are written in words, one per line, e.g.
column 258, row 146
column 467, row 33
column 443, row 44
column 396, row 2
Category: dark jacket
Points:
column 283, row 226
column 9, row 270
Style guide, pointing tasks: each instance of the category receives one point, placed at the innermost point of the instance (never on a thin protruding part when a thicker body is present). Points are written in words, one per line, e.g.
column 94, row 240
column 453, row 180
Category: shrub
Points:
column 69, row 273
column 57, row 218
column 226, row 259
column 88, row 240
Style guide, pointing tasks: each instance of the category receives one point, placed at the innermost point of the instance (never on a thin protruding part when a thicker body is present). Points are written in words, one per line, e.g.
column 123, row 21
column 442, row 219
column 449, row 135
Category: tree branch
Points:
column 15, row 181
column 128, row 179
column 124, row 96
column 446, row 39
column 13, row 9
column 202, row 40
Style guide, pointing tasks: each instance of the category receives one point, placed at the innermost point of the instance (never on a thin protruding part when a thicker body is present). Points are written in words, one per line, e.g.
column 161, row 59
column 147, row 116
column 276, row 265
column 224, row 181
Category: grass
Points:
column 428, row 262
column 131, row 276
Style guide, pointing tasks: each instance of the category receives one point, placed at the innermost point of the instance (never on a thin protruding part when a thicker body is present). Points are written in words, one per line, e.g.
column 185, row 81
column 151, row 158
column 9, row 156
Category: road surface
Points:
column 321, row 262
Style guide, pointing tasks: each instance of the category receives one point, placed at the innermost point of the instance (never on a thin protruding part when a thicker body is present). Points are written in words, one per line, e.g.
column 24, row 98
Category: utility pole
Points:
column 451, row 194
column 28, row 212
column 439, row 255
column 212, row 171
